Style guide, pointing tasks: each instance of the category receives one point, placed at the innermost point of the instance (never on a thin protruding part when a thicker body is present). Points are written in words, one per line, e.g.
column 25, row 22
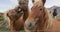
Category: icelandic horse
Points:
column 18, row 15
column 40, row 20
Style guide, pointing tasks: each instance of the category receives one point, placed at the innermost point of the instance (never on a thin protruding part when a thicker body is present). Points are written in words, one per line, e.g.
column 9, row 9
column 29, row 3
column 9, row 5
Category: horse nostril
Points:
column 30, row 25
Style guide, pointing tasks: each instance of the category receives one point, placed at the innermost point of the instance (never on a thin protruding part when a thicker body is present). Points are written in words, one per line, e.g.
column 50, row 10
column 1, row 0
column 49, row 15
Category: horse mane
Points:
column 39, row 0
column 24, row 6
column 22, row 3
column 48, row 18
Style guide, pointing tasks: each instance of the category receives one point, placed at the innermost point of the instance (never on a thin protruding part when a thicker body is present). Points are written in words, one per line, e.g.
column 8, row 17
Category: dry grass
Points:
column 58, row 16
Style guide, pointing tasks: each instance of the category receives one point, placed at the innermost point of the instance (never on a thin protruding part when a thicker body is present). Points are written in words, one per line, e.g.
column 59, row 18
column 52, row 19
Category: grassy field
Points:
column 3, row 24
column 58, row 16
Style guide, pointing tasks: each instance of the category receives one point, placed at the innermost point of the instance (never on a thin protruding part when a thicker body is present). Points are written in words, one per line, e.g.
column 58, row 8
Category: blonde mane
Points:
column 49, row 19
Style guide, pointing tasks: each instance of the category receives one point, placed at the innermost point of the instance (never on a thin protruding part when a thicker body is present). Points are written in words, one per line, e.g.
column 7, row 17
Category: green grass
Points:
column 1, row 18
column 2, row 25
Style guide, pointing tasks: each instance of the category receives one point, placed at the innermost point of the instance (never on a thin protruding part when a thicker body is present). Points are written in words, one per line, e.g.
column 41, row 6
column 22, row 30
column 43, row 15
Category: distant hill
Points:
column 54, row 7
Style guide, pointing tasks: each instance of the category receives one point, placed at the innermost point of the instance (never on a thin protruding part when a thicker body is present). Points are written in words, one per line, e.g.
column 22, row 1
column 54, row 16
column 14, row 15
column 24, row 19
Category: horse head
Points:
column 37, row 19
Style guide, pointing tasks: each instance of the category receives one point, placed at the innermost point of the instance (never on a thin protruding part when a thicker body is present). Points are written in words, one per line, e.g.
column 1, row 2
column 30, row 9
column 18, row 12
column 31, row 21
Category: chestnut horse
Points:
column 24, row 6
column 40, row 20
column 18, row 16
column 16, row 20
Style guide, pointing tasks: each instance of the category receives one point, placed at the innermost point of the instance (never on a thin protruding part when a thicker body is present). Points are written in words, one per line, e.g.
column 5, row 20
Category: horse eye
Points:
column 41, row 10
column 19, row 11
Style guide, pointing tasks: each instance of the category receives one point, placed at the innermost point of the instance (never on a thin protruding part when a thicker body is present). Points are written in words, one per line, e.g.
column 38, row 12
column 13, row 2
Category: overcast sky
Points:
column 8, row 4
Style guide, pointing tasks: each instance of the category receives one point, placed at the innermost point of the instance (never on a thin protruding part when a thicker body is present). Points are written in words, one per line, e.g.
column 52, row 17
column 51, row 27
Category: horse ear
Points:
column 44, row 1
column 33, row 1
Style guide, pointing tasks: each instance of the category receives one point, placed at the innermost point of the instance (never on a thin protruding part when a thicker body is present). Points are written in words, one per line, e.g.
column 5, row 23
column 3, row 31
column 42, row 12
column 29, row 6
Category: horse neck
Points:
column 41, row 26
column 41, row 29
column 26, row 13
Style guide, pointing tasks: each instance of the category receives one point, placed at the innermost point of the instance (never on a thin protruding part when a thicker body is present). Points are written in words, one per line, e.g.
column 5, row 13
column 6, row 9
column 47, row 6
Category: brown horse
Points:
column 18, row 16
column 24, row 6
column 40, row 20
column 16, row 20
